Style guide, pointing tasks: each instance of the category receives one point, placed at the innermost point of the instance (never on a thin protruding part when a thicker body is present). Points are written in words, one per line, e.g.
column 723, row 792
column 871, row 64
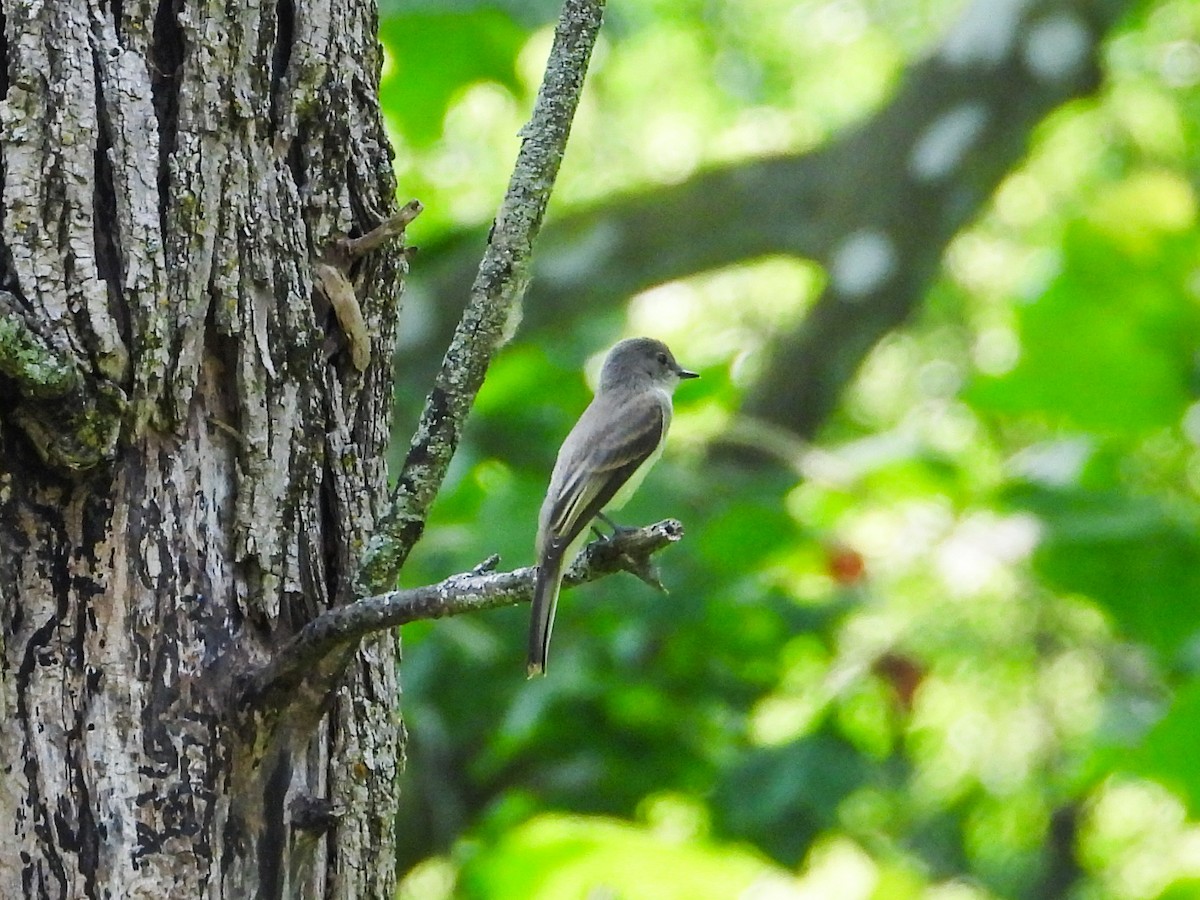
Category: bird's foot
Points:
column 616, row 529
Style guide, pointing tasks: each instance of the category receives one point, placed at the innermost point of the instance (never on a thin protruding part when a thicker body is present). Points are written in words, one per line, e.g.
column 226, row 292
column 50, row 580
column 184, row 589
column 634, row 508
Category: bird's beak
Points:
column 684, row 373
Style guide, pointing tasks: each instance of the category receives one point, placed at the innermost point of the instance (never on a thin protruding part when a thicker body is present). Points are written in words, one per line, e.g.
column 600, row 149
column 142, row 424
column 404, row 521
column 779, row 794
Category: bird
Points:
column 599, row 466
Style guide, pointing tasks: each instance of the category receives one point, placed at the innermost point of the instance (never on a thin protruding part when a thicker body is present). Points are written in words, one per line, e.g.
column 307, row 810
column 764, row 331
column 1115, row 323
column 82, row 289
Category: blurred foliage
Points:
column 953, row 649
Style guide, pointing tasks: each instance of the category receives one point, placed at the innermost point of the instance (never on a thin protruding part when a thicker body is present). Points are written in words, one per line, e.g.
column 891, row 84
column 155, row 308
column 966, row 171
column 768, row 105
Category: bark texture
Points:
column 191, row 448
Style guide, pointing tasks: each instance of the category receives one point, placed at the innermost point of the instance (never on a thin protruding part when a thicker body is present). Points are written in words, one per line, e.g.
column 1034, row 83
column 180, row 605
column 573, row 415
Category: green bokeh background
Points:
column 951, row 649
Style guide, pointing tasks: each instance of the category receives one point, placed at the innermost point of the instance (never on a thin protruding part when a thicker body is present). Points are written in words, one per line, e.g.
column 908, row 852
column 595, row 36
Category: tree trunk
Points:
column 192, row 446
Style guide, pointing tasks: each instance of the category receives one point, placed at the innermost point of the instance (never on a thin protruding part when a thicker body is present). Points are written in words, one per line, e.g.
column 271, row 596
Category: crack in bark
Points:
column 274, row 834
column 281, row 56
column 117, row 9
column 107, row 241
column 168, row 52
column 295, row 158
column 86, row 844
column 33, row 875
column 4, row 80
column 330, row 522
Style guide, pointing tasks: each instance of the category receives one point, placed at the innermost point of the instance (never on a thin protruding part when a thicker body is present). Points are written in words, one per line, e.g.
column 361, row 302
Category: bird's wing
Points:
column 587, row 477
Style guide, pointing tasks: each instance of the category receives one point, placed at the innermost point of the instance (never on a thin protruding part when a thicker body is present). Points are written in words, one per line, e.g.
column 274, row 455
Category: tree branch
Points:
column 479, row 589
column 926, row 167
column 495, row 298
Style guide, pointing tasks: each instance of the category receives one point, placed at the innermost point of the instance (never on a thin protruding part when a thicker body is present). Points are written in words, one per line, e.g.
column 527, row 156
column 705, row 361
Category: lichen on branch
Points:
column 480, row 589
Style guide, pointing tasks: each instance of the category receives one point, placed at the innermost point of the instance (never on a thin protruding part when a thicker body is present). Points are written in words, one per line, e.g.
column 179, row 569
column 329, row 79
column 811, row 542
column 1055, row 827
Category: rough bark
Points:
column 190, row 446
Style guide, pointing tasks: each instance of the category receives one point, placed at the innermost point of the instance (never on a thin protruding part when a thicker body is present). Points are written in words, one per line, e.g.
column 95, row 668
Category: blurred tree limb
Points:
column 876, row 207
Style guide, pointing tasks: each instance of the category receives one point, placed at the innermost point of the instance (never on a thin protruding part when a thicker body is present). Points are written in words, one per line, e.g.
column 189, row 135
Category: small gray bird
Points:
column 603, row 460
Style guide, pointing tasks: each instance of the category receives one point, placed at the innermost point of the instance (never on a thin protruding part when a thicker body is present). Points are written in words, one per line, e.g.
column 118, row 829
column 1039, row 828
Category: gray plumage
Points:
column 603, row 460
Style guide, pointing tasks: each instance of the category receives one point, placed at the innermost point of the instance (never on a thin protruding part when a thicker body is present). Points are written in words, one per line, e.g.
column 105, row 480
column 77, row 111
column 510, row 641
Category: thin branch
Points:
column 479, row 589
column 495, row 296
column 346, row 250
column 332, row 274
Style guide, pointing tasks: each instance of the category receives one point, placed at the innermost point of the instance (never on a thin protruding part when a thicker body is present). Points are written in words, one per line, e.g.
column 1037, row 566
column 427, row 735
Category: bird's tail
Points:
column 541, row 622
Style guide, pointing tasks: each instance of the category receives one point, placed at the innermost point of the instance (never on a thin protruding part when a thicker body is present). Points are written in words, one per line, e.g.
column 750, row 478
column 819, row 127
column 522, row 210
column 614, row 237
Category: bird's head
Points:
column 642, row 360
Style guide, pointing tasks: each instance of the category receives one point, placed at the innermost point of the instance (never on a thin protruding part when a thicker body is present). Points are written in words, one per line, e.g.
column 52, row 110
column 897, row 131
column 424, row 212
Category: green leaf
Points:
column 555, row 856
column 1133, row 556
column 433, row 56
column 1108, row 347
column 531, row 12
column 747, row 533
column 1168, row 752
column 795, row 789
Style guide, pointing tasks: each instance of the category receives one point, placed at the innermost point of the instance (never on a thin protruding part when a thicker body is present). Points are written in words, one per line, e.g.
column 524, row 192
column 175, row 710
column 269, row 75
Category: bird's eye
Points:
column 662, row 359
